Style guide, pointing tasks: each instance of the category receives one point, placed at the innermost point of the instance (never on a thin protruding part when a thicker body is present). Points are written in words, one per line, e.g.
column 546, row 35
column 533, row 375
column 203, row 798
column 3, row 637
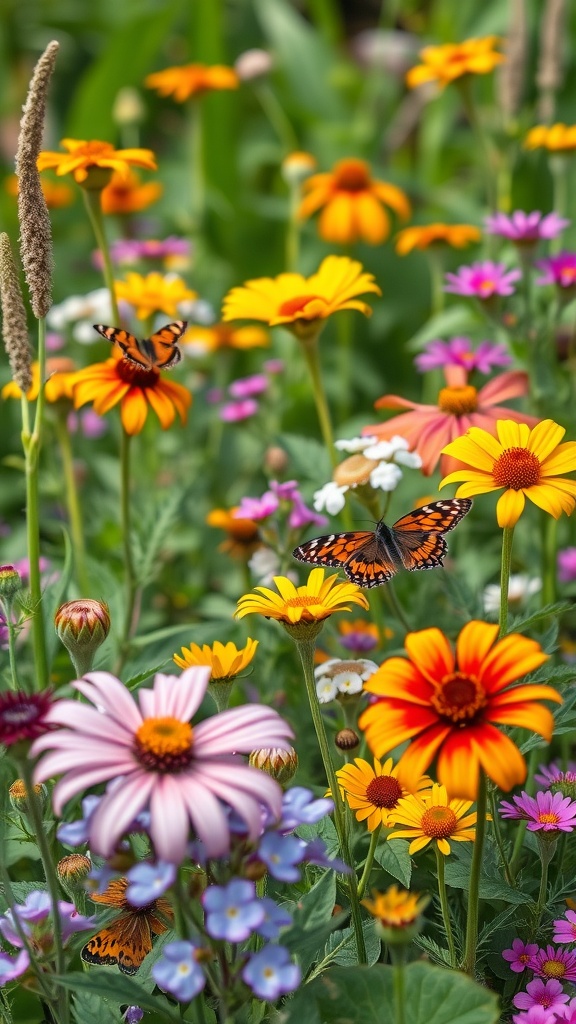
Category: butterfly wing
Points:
column 125, row 942
column 419, row 536
column 361, row 554
column 161, row 347
column 131, row 347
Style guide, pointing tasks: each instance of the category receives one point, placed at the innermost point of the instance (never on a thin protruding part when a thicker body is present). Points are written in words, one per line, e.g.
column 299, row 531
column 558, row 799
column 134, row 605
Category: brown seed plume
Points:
column 14, row 326
column 513, row 71
column 551, row 58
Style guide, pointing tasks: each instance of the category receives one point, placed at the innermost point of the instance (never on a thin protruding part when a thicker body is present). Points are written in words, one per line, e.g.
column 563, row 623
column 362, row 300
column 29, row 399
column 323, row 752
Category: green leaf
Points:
column 393, row 856
column 341, row 946
column 458, row 876
column 111, row 984
column 91, row 1008
column 453, row 320
column 309, row 457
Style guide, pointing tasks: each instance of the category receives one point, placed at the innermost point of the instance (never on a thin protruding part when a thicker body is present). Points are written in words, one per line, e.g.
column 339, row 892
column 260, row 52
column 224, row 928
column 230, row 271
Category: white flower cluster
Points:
column 81, row 312
column 336, row 676
column 388, row 456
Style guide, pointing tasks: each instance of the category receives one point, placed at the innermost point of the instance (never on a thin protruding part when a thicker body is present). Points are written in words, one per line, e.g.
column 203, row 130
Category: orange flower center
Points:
column 164, row 744
column 458, row 698
column 298, row 304
column 516, row 468
column 439, row 822
column 554, row 969
column 135, row 375
column 94, row 149
column 458, row 401
column 301, row 601
column 351, row 176
column 384, row 791
column 549, row 819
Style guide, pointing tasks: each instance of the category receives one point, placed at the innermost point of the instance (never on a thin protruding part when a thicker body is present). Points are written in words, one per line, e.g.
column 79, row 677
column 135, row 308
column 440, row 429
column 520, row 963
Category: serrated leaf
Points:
column 458, row 876
column 393, row 856
column 343, row 946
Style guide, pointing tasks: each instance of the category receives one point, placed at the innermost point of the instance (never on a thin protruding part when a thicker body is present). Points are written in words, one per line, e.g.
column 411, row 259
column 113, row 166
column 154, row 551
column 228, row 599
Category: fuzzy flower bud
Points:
column 280, row 764
column 298, row 166
column 82, row 626
column 346, row 739
column 10, row 581
column 253, row 64
column 128, row 107
column 19, row 796
column 72, row 872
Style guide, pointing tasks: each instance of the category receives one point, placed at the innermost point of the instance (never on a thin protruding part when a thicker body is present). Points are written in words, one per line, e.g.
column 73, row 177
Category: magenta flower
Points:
column 519, row 955
column 548, row 994
column 568, row 1013
column 550, row 812
column 526, row 228
column 537, row 1015
column 234, row 412
column 183, row 775
column 131, row 250
column 565, row 928
column 550, row 773
column 247, row 387
column 459, row 352
column 301, row 516
column 567, row 565
column 12, row 967
column 285, row 491
column 554, row 963
column 273, row 366
column 88, row 422
column 257, row 508
column 559, row 270
column 23, row 716
column 483, row 280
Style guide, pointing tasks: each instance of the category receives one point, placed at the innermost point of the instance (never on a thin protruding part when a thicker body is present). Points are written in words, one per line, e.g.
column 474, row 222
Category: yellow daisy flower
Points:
column 522, row 460
column 225, row 660
column 60, row 378
column 205, row 340
column 153, row 293
column 373, row 792
column 430, row 817
column 556, row 138
column 444, row 64
column 396, row 908
column 423, row 236
column 313, row 602
column 81, row 157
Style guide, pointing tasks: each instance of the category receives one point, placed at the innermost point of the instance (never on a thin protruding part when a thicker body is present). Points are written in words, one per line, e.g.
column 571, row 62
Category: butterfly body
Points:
column 371, row 558
column 159, row 351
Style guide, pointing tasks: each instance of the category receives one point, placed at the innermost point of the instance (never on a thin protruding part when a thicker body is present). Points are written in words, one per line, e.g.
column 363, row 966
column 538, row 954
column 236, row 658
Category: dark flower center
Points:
column 384, row 791
column 517, row 468
column 138, row 376
column 459, row 698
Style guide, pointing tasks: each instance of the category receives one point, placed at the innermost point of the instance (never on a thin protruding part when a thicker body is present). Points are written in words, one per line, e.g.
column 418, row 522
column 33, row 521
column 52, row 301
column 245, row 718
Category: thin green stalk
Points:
column 369, row 861
column 311, row 354
column 547, row 850
column 507, row 538
column 7, row 605
column 126, row 523
column 469, row 963
column 293, row 228
column 549, row 554
column 73, row 505
column 198, row 183
column 559, row 165
column 440, row 864
column 94, row 209
column 395, row 606
column 306, row 653
column 275, row 114
column 498, row 837
column 398, row 957
column 533, row 759
column 465, row 87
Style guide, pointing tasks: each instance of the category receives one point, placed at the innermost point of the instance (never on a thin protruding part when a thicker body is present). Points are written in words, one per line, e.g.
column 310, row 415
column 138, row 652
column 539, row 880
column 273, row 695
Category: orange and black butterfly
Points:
column 370, row 558
column 159, row 350
column 128, row 938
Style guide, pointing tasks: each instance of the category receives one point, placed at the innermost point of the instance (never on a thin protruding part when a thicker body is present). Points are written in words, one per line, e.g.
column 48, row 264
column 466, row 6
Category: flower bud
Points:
column 346, row 739
column 128, row 107
column 82, row 626
column 72, row 871
column 298, row 166
column 19, row 796
column 280, row 764
column 253, row 64
column 398, row 914
column 10, row 581
column 275, row 459
column 133, row 1015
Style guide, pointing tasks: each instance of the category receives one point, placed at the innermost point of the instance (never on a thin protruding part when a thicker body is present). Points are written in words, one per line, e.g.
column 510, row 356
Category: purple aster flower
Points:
column 271, row 973
column 281, row 854
column 301, row 515
column 178, row 971
column 567, row 565
column 33, row 914
column 54, row 342
column 316, row 854
column 233, row 911
column 554, row 963
column 568, row 1013
column 459, row 352
column 131, row 250
column 526, row 228
column 133, row 1015
column 550, row 773
column 275, row 918
column 234, row 412
column 149, row 881
column 519, row 955
column 536, row 1015
column 286, row 491
column 548, row 994
column 565, row 928
column 550, row 812
column 247, row 387
column 257, row 508
column 559, row 270
column 12, row 967
column 483, row 280
column 300, row 807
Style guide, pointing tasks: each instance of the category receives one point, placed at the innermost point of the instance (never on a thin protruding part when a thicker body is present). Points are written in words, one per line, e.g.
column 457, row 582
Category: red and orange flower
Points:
column 444, row 64
column 125, row 194
column 192, row 80
column 423, row 236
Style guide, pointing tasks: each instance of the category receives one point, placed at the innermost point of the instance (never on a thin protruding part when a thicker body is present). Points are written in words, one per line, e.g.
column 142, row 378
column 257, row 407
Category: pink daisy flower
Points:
column 537, row 1015
column 559, row 270
column 565, row 929
column 550, row 812
column 183, row 775
column 554, row 963
column 460, row 352
column 548, row 994
column 247, row 387
column 483, row 280
column 520, row 954
column 550, row 773
column 241, row 409
column 568, row 1012
column 526, row 228
column 567, row 565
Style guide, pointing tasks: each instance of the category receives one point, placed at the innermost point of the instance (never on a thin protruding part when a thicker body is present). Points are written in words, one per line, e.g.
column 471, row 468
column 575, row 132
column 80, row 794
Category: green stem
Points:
column 94, row 210
column 498, row 837
column 198, row 197
column 276, row 116
column 369, row 861
column 7, row 606
column 440, row 864
column 73, row 505
column 547, row 850
column 507, row 538
column 475, row 873
column 293, row 229
column 395, row 606
column 465, row 87
column 559, row 164
column 529, row 787
column 306, row 653
column 398, row 957
column 549, row 554
column 129, row 570
column 311, row 354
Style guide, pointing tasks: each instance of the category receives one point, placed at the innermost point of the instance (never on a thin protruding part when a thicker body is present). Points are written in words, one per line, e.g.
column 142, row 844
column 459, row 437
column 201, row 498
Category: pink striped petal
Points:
column 506, row 385
column 107, row 692
column 169, row 819
column 241, row 729
column 249, row 780
column 78, row 782
column 207, row 815
column 117, row 810
column 88, row 720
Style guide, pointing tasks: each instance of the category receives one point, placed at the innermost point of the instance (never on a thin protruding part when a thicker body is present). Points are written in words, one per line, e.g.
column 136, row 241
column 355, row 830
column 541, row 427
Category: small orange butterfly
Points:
column 370, row 558
column 159, row 350
column 128, row 938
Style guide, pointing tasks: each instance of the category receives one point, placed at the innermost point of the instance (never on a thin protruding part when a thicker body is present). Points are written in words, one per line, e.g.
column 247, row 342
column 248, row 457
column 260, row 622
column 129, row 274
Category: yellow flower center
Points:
column 298, row 304
column 439, row 822
column 458, row 401
column 458, row 698
column 353, row 471
column 135, row 375
column 486, row 287
column 384, row 791
column 301, row 601
column 164, row 744
column 554, row 969
column 549, row 818
column 516, row 468
column 351, row 176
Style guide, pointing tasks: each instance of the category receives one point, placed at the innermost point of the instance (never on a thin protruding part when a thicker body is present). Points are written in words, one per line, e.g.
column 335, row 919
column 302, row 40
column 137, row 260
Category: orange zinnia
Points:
column 191, row 80
column 451, row 705
column 81, row 157
column 443, row 64
column 422, row 237
column 125, row 194
column 243, row 534
column 556, row 138
column 120, row 380
column 352, row 202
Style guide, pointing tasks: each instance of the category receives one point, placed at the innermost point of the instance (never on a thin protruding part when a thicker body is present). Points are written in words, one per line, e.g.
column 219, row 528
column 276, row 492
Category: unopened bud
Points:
column 10, row 581
column 346, row 739
column 254, row 870
column 82, row 626
column 72, row 872
column 253, row 64
column 298, row 166
column 128, row 107
column 280, row 764
column 275, row 459
column 19, row 796
column 133, row 1015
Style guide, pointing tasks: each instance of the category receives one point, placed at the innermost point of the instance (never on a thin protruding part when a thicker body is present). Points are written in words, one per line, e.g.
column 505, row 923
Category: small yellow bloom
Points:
column 192, row 80
column 396, row 908
column 523, row 461
column 225, row 660
column 154, row 293
column 125, row 194
column 556, row 138
column 314, row 601
column 430, row 817
column 444, row 64
column 373, row 792
column 204, row 340
column 422, row 237
column 59, row 382
column 82, row 156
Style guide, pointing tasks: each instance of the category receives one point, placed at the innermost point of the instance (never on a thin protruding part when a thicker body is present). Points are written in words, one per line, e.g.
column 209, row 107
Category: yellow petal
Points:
column 510, row 506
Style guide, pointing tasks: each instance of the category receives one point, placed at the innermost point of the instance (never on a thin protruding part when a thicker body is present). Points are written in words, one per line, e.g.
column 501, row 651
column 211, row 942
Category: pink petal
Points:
column 104, row 690
column 176, row 696
column 76, row 782
column 434, row 435
column 507, row 385
column 207, row 815
column 246, row 789
column 117, row 810
column 88, row 720
column 169, row 819
column 241, row 729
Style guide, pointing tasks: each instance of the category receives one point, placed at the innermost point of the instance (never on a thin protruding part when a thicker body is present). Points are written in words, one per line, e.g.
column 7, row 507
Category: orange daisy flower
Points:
column 434, row 817
column 120, row 380
column 82, row 157
column 243, row 534
column 60, row 377
column 444, row 64
column 56, row 193
column 556, row 138
column 153, row 293
column 205, row 340
column 353, row 203
column 373, row 792
column 125, row 194
column 424, row 236
column 451, row 706
column 192, row 80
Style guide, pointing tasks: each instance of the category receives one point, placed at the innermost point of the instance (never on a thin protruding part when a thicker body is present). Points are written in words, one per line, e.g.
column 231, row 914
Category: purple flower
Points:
column 234, row 412
column 459, row 352
column 550, row 773
column 568, row 1012
column 149, row 881
column 559, row 270
column 247, row 387
column 133, row 1015
column 548, row 994
column 301, row 515
column 33, row 914
column 271, row 973
column 76, row 833
column 286, row 491
column 22, row 565
column 483, row 280
column 178, row 971
column 54, row 342
column 519, row 955
column 275, row 918
column 131, row 250
column 526, row 228
column 536, row 1015
column 565, row 929
column 316, row 854
column 281, row 854
column 550, row 812
column 558, row 963
column 300, row 807
column 274, row 366
column 257, row 508
column 233, row 911
column 12, row 967
column 88, row 422
column 567, row 565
